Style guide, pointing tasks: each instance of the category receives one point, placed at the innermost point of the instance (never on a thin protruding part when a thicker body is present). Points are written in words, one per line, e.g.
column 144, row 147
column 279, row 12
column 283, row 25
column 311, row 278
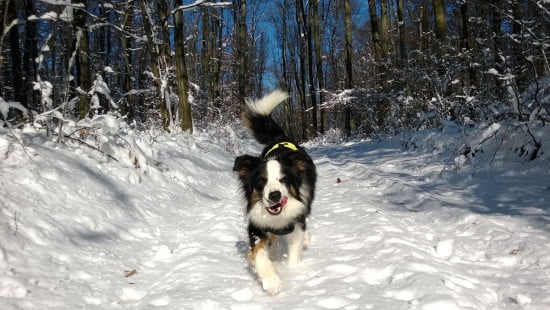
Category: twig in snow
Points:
column 91, row 146
column 15, row 221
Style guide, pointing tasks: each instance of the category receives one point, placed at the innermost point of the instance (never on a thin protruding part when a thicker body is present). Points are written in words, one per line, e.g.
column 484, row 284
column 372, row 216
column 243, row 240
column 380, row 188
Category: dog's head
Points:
column 274, row 185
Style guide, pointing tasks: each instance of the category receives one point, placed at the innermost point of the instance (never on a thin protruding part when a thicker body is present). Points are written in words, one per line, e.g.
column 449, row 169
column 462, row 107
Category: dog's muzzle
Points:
column 277, row 207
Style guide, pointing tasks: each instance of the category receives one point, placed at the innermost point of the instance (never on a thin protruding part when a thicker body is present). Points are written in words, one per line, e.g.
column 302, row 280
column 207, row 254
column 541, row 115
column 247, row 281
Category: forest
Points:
column 353, row 68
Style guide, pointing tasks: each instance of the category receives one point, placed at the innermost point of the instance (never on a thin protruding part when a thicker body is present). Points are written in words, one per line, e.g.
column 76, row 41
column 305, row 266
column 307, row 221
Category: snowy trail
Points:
column 395, row 233
column 420, row 246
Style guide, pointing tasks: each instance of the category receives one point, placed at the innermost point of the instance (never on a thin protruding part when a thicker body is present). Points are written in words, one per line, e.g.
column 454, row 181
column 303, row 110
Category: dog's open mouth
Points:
column 278, row 208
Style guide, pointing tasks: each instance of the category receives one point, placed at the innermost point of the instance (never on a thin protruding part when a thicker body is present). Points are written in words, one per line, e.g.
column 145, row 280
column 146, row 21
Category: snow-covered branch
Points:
column 201, row 3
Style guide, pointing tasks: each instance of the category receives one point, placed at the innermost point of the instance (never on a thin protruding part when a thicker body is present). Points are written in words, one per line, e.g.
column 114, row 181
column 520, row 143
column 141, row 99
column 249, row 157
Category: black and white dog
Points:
column 279, row 186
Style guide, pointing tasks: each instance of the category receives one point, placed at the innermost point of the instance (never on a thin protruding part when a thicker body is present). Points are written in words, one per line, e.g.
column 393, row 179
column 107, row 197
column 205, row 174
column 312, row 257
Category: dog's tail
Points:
column 257, row 117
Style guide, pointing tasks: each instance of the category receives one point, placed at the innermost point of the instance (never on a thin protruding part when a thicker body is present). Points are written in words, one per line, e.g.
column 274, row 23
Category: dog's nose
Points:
column 275, row 196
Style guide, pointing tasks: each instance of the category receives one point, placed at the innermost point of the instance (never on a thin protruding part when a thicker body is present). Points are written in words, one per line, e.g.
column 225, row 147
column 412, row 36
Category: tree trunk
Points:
column 84, row 81
column 284, row 44
column 181, row 71
column 157, row 61
column 384, row 31
column 218, row 54
column 440, row 27
column 239, row 14
column 517, row 42
column 210, row 57
column 375, row 28
column 349, row 68
column 4, row 21
column 286, row 80
column 302, row 89
column 497, row 24
column 319, row 65
column 467, row 46
column 401, row 26
column 423, row 28
column 16, row 61
column 29, row 57
column 308, row 22
column 493, row 13
column 126, row 47
column 165, row 62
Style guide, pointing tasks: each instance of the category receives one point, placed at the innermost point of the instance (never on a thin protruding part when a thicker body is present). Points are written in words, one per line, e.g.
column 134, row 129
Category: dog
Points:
column 279, row 186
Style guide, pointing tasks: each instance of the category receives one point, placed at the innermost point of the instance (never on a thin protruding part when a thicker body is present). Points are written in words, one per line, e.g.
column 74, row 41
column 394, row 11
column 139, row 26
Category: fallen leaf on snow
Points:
column 130, row 273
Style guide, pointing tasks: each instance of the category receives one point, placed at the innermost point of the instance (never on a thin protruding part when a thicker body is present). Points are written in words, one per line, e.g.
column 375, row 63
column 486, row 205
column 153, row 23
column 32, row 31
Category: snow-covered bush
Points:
column 112, row 137
column 492, row 144
column 507, row 141
column 514, row 132
column 5, row 107
column 331, row 136
column 99, row 87
column 106, row 134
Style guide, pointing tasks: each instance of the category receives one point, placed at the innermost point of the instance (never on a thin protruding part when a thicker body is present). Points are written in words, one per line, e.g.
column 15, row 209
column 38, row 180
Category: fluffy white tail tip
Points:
column 265, row 105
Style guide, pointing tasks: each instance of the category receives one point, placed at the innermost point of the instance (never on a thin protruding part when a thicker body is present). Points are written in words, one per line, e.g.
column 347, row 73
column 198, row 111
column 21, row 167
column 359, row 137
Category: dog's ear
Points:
column 245, row 163
column 298, row 162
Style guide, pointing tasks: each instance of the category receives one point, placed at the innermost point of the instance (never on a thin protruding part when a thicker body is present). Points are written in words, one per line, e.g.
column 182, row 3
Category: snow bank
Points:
column 498, row 144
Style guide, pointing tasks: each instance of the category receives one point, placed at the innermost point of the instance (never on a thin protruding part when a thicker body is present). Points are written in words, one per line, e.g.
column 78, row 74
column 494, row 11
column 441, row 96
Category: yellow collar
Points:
column 288, row 145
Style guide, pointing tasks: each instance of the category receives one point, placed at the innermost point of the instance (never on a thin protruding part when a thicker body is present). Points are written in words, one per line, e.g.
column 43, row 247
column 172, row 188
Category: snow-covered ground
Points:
column 164, row 228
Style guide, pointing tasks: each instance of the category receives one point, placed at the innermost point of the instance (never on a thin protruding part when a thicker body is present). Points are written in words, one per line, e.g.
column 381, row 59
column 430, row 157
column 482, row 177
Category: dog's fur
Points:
column 279, row 186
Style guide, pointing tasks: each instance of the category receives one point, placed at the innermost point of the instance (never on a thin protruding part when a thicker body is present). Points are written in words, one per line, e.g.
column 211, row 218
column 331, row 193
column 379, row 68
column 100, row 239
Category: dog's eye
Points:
column 262, row 180
column 283, row 180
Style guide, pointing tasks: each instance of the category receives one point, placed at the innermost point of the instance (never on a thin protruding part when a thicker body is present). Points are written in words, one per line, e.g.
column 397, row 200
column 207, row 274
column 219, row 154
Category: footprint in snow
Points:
column 340, row 270
column 163, row 253
column 444, row 249
column 241, row 295
column 160, row 302
column 377, row 276
column 333, row 303
column 130, row 294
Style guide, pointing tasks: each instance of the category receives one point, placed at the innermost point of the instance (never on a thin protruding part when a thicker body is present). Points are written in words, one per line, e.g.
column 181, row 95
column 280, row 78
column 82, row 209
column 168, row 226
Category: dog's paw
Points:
column 307, row 239
column 272, row 285
column 294, row 261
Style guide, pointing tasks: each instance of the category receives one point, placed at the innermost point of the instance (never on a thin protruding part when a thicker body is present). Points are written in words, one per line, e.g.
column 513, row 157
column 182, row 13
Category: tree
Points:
column 16, row 61
column 518, row 43
column 241, row 49
column 384, row 30
column 423, row 29
column 157, row 46
column 319, row 63
column 440, row 27
column 466, row 43
column 375, row 29
column 82, row 49
column 349, row 65
column 301, row 74
column 181, row 69
column 309, row 21
column 126, row 47
column 30, row 55
column 402, row 35
column 211, row 56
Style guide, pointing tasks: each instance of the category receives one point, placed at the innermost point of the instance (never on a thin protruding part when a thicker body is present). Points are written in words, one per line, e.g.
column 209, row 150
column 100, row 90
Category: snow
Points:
column 493, row 71
column 48, row 15
column 100, row 87
column 5, row 107
column 68, row 14
column 166, row 229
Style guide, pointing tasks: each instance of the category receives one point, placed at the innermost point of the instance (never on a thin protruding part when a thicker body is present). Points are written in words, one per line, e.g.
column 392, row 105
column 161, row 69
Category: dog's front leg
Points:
column 259, row 258
column 296, row 242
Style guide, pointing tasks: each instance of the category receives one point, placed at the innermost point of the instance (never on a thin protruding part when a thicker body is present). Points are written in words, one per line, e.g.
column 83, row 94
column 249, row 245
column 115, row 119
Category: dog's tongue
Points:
column 278, row 208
